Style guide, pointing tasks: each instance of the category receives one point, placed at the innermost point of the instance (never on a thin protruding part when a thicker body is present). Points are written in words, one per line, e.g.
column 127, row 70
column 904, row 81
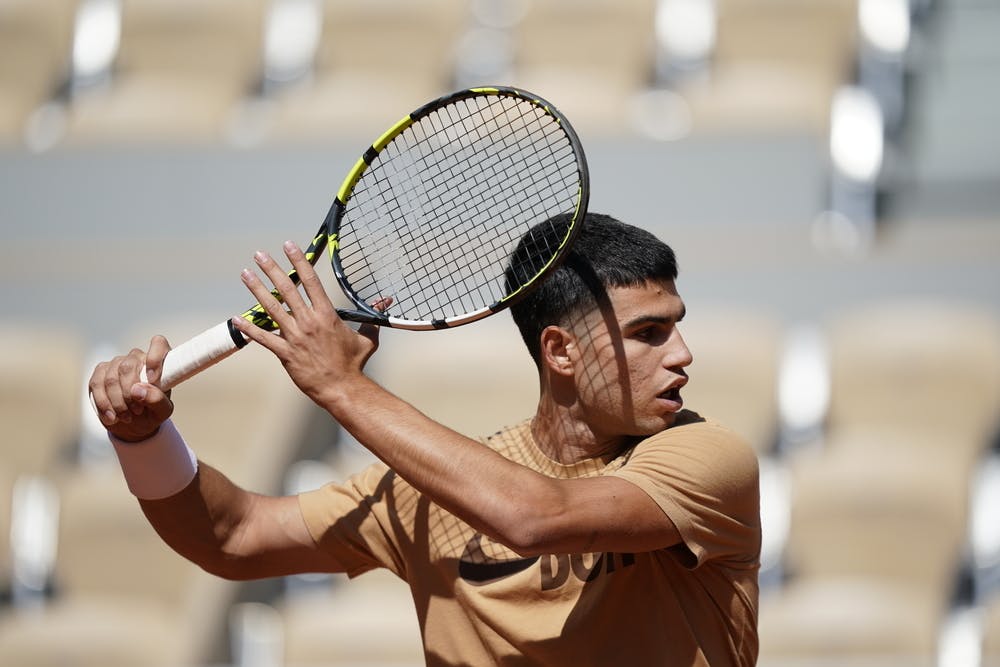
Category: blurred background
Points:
column 828, row 172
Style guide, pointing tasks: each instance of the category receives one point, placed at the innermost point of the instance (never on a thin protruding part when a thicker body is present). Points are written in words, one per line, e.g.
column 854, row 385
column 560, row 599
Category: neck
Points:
column 561, row 433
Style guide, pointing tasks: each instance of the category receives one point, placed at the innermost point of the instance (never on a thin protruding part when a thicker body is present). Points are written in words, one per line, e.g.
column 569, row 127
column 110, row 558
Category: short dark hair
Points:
column 606, row 253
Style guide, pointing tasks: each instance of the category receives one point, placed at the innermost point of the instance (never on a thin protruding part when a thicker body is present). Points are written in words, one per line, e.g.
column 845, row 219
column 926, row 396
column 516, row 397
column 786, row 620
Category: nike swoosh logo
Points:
column 478, row 572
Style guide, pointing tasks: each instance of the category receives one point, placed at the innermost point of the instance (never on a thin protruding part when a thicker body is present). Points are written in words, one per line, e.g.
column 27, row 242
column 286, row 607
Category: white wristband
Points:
column 159, row 466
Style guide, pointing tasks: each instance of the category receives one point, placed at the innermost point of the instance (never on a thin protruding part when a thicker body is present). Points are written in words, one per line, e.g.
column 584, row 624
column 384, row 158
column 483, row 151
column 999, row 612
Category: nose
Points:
column 678, row 353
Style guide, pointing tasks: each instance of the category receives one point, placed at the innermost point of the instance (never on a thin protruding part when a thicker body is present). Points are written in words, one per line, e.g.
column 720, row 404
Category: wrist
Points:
column 158, row 466
column 132, row 438
column 346, row 395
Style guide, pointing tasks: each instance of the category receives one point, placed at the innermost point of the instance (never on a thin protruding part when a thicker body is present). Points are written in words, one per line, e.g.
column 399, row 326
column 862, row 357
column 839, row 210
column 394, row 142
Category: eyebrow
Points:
column 653, row 319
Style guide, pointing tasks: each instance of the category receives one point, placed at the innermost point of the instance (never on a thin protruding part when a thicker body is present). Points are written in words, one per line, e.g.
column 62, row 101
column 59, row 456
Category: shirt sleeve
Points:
column 705, row 478
column 349, row 521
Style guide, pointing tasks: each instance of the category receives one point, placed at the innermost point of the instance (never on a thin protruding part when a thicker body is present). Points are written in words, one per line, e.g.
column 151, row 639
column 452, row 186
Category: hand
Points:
column 132, row 410
column 318, row 350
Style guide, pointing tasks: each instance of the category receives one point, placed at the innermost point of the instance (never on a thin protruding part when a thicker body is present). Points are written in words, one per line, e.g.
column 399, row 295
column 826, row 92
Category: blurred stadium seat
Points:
column 991, row 634
column 734, row 377
column 848, row 622
column 587, row 57
column 6, row 566
column 927, row 367
column 121, row 596
column 181, row 68
column 875, row 545
column 367, row 621
column 474, row 379
column 883, row 514
column 41, row 378
column 775, row 65
column 36, row 38
column 375, row 62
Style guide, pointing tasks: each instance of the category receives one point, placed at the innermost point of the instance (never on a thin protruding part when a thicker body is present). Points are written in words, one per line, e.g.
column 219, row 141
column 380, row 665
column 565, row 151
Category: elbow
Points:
column 531, row 527
column 226, row 569
column 526, row 542
column 214, row 562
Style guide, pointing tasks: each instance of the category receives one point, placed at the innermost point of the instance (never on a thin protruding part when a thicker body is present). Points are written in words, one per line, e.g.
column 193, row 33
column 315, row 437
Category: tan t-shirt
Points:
column 479, row 603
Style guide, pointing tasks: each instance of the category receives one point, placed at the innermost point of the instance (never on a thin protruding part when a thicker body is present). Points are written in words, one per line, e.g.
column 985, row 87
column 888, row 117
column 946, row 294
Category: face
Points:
column 628, row 361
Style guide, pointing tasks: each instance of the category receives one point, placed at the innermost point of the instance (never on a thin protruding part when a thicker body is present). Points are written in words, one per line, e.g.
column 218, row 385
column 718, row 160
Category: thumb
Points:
column 369, row 330
column 158, row 349
column 156, row 401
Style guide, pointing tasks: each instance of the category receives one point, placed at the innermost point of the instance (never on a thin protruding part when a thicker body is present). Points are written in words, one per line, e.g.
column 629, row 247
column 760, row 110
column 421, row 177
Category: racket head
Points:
column 432, row 211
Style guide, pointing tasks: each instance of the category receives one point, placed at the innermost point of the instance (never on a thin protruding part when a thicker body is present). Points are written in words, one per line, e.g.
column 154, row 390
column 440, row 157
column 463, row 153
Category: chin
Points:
column 654, row 425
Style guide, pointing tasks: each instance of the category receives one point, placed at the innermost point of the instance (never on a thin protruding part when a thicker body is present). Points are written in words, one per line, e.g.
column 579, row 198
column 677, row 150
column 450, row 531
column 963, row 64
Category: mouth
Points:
column 673, row 395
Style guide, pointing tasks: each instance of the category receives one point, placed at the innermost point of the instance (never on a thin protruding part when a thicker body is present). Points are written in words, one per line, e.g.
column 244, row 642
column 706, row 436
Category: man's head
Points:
column 607, row 253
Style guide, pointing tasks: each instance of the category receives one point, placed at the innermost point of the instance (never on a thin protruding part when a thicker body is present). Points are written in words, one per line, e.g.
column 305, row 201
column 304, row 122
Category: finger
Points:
column 266, row 300
column 121, row 372
column 369, row 330
column 382, row 304
column 152, row 398
column 279, row 278
column 98, row 394
column 307, row 276
column 268, row 339
column 158, row 349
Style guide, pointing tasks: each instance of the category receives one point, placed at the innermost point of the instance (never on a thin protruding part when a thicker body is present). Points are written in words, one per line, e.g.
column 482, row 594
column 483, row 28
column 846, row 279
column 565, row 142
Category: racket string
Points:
column 424, row 209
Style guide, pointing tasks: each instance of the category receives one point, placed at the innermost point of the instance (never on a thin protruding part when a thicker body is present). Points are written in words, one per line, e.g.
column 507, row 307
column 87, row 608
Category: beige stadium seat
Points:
column 35, row 46
column 475, row 379
column 845, row 622
column 587, row 57
column 878, row 512
column 369, row 620
column 181, row 68
column 376, row 61
column 930, row 367
column 883, row 513
column 775, row 66
column 41, row 380
column 122, row 598
column 991, row 634
column 734, row 377
column 6, row 491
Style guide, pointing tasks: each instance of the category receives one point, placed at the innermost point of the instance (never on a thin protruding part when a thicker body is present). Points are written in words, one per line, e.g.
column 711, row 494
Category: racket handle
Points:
column 195, row 355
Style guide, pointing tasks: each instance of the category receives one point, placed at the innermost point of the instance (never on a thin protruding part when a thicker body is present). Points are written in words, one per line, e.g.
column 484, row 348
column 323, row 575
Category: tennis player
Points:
column 613, row 527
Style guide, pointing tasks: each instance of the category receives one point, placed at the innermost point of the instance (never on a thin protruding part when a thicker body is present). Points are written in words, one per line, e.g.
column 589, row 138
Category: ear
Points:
column 557, row 347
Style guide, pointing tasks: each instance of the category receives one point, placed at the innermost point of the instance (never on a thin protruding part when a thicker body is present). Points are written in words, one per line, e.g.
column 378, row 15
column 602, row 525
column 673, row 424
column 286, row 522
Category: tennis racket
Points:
column 428, row 217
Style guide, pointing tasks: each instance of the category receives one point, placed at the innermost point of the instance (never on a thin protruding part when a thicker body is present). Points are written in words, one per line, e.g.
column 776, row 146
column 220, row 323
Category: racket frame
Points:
column 219, row 342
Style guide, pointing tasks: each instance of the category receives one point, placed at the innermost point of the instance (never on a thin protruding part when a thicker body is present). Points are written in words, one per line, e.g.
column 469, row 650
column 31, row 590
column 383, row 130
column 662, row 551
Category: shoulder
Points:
column 699, row 437
column 699, row 451
column 705, row 477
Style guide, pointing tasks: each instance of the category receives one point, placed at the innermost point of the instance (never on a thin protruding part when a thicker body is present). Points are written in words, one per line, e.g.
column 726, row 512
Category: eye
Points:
column 645, row 333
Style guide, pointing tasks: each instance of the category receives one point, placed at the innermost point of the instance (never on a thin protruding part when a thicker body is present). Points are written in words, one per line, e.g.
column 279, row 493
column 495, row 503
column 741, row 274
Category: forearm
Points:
column 203, row 522
column 494, row 495
column 194, row 508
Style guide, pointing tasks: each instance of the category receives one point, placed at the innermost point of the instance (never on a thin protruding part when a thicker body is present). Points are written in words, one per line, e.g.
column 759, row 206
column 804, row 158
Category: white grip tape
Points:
column 195, row 355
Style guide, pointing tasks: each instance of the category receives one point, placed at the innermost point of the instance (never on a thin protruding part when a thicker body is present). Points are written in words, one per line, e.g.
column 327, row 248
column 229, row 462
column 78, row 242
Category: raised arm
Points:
column 526, row 511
